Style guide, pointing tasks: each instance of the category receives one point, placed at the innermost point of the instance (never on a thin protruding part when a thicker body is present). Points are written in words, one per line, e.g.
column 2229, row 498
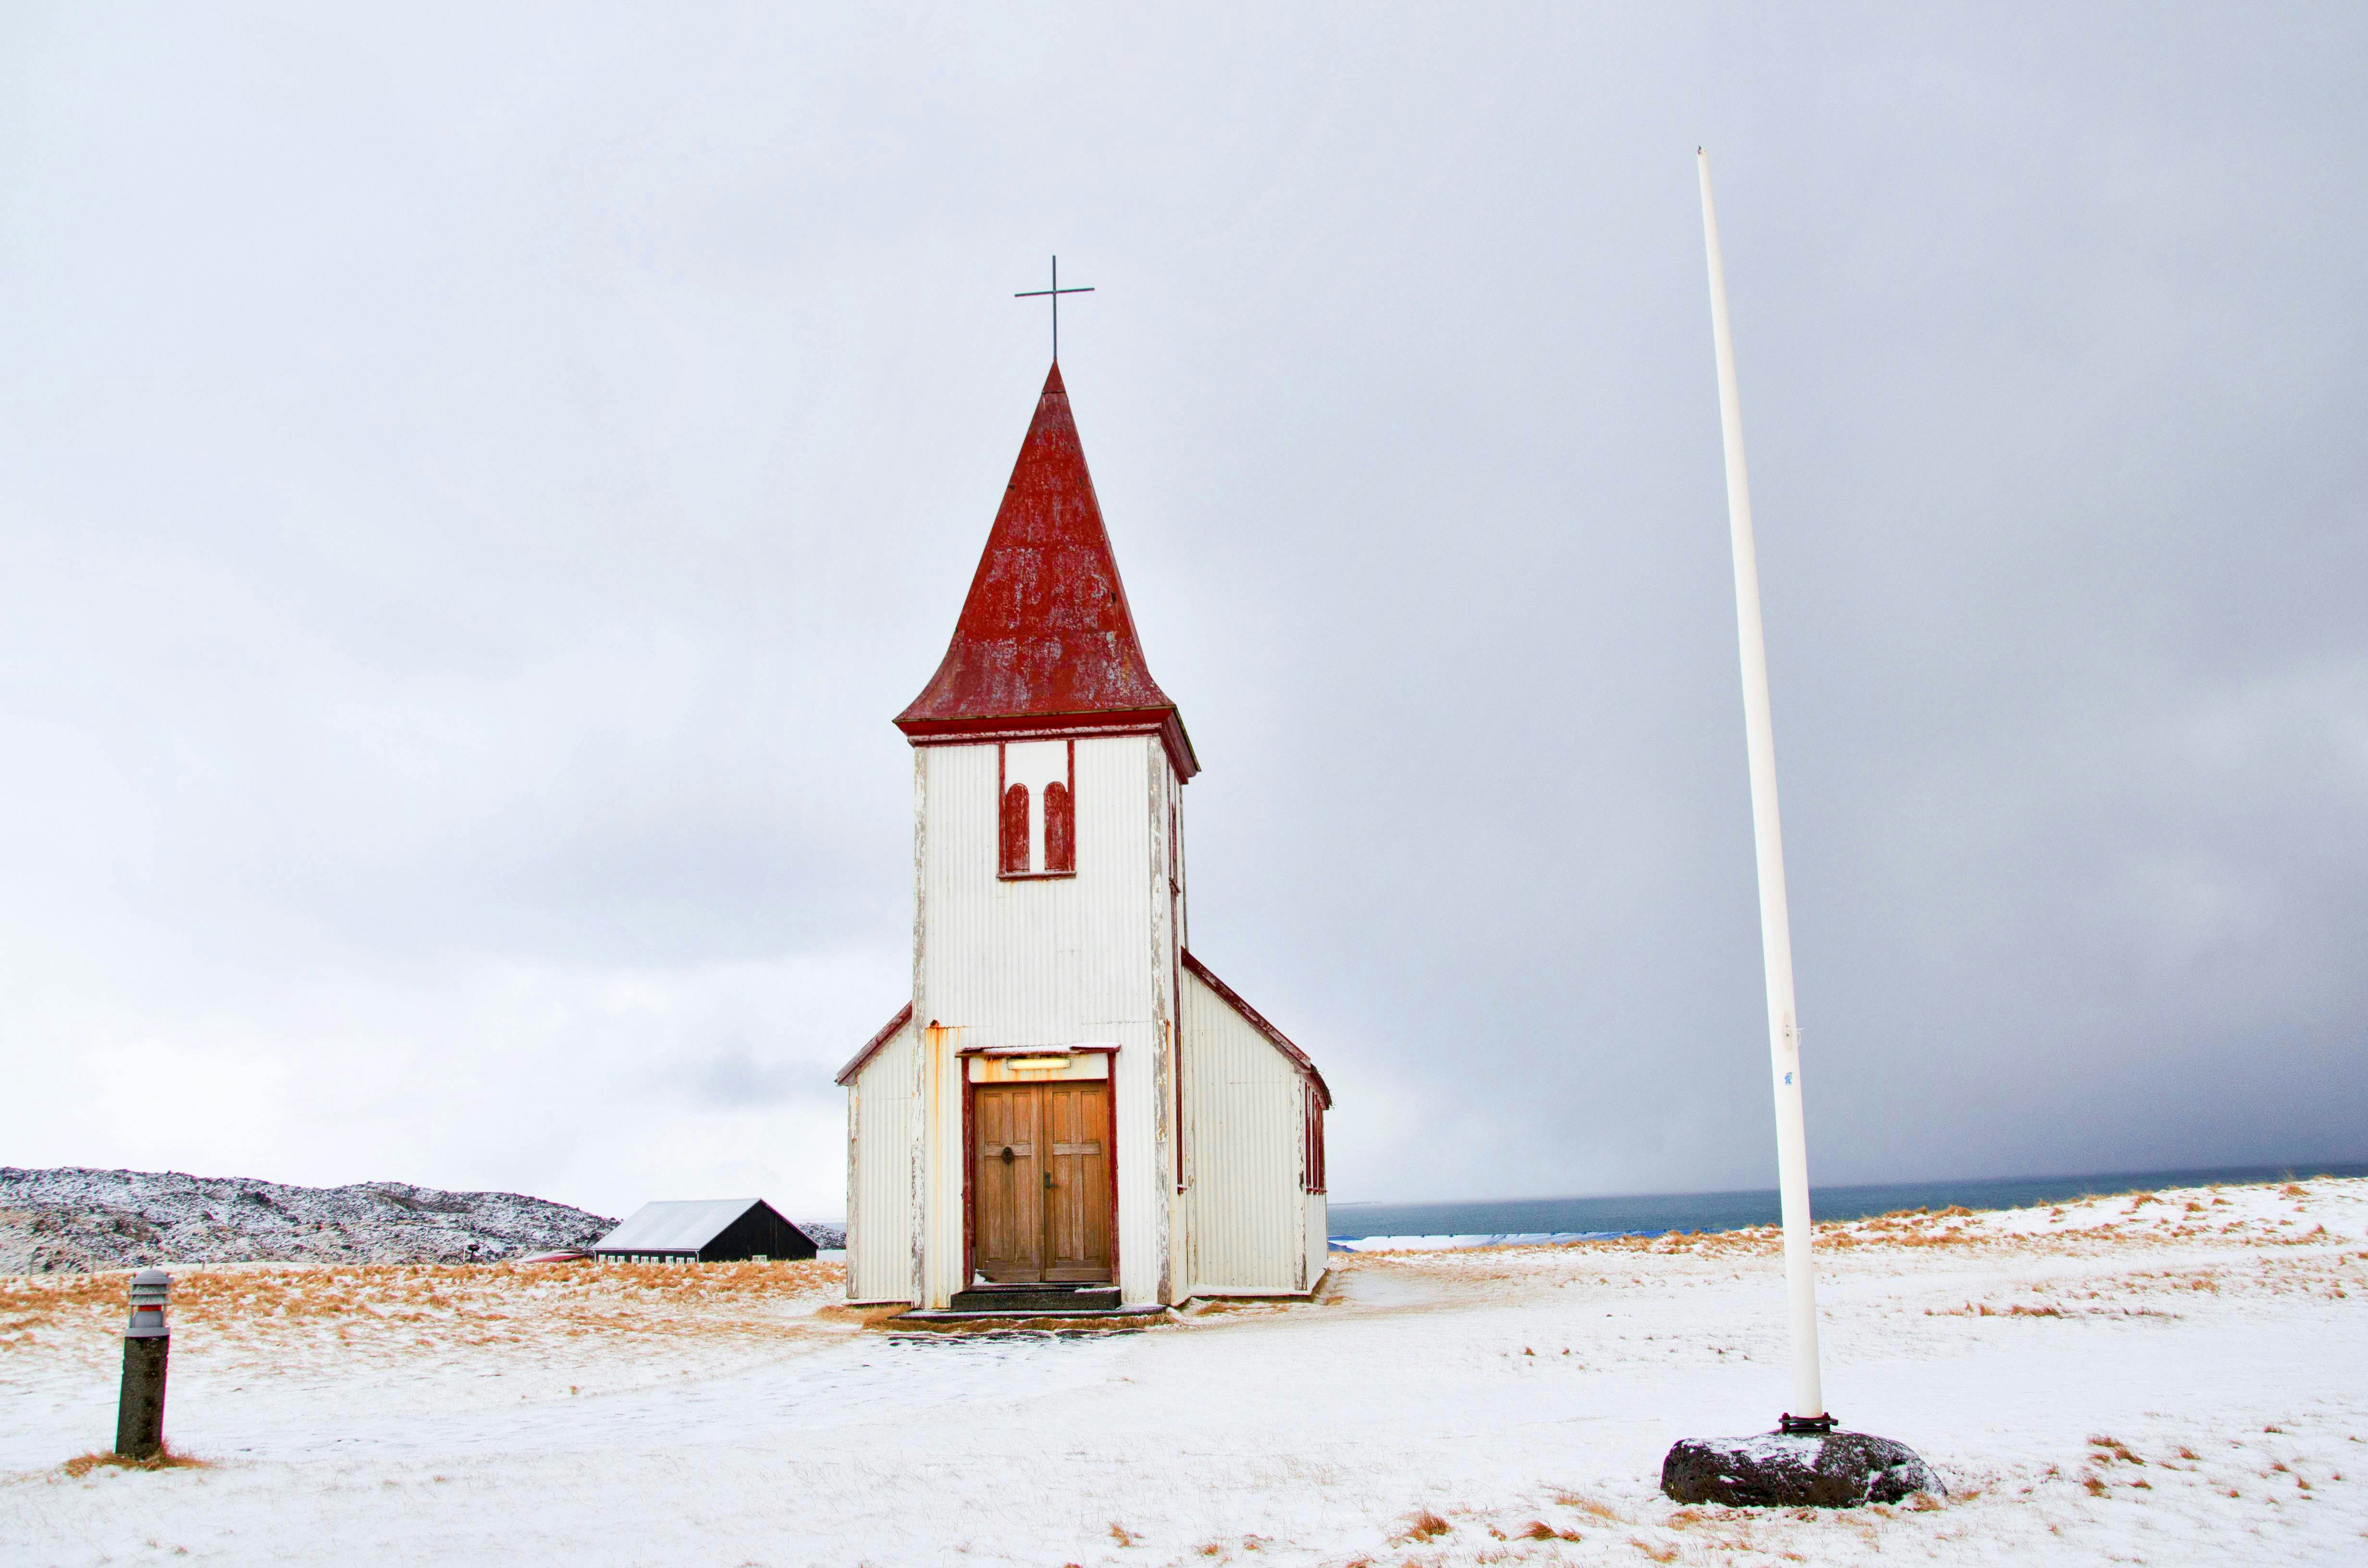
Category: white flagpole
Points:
column 1775, row 926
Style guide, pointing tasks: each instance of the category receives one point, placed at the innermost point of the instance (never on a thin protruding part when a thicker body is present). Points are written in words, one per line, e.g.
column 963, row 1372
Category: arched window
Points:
column 1060, row 829
column 1015, row 831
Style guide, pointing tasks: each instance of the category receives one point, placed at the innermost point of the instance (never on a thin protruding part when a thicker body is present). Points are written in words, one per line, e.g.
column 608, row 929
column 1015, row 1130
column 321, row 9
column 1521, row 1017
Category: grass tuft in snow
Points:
column 166, row 1458
column 1587, row 1505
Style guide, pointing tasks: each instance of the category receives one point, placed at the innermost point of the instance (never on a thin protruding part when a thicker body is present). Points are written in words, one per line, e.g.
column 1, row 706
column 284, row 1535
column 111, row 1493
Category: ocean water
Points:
column 1733, row 1210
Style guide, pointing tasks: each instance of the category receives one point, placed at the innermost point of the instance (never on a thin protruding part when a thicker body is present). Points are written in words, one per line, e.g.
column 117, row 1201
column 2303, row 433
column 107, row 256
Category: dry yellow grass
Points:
column 165, row 1459
column 264, row 1306
column 862, row 1317
column 1587, row 1505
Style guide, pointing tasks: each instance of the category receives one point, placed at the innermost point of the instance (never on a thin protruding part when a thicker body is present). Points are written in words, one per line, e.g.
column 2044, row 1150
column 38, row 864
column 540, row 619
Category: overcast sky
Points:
column 475, row 485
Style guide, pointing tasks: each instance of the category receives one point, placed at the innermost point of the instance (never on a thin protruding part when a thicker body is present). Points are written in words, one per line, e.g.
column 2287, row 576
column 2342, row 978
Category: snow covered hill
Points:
column 72, row 1220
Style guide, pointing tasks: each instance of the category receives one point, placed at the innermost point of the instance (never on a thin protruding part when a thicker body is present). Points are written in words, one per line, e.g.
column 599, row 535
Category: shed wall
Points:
column 761, row 1231
column 1245, row 1105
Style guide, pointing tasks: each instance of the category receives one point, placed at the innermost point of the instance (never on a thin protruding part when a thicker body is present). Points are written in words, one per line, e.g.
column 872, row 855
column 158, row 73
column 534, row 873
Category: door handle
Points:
column 1048, row 1183
column 1008, row 1155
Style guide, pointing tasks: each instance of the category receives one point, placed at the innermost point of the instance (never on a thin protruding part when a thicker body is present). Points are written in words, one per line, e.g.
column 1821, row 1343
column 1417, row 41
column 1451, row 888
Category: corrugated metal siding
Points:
column 1154, row 1227
column 1244, row 1109
column 1045, row 962
column 1048, row 961
column 880, row 1189
column 938, row 1264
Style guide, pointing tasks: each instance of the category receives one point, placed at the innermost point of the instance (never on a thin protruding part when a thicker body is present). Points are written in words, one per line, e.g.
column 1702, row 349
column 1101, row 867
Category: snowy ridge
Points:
column 72, row 1220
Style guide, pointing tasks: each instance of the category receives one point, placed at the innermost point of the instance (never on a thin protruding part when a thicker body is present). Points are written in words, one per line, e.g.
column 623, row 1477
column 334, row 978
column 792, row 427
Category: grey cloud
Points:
column 471, row 515
column 732, row 1078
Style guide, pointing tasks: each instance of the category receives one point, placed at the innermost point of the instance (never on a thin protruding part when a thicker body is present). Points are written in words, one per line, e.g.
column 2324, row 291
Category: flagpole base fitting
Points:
column 1806, row 1464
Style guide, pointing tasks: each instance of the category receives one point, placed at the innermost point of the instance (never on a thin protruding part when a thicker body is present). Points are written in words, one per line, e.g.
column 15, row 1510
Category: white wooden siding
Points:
column 1046, row 961
column 937, row 1264
column 880, row 1185
column 1245, row 1108
column 1155, row 1226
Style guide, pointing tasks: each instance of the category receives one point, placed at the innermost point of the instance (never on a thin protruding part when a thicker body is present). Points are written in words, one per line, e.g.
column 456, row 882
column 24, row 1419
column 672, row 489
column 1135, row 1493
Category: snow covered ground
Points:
column 2173, row 1377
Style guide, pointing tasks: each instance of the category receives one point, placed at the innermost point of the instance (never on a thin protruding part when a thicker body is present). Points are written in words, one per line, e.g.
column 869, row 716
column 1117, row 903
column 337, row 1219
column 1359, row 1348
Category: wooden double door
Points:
column 1041, row 1182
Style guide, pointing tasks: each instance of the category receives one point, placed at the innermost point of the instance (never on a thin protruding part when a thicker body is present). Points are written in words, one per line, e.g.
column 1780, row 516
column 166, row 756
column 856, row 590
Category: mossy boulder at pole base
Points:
column 1778, row 1470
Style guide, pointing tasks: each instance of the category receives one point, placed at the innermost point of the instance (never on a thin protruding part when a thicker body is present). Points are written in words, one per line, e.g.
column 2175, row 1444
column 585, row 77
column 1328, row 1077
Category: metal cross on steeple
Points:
column 1055, row 291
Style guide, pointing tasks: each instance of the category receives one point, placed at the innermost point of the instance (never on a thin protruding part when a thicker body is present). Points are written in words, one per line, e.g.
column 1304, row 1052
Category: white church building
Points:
column 1071, row 1107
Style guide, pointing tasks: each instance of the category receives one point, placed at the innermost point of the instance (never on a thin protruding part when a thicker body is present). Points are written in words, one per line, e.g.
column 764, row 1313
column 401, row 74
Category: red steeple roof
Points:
column 1046, row 643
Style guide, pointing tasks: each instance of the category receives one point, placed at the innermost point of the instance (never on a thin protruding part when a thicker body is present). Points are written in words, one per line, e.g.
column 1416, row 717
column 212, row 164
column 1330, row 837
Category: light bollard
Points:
column 147, row 1342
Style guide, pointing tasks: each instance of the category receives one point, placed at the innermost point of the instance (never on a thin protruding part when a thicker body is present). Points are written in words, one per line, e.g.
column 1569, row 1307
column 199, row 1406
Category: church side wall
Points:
column 1243, row 1123
column 1319, row 1235
column 880, row 1184
column 1044, row 962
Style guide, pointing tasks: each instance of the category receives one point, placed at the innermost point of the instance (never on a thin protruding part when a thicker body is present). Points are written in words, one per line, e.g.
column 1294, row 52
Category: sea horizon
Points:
column 1654, row 1212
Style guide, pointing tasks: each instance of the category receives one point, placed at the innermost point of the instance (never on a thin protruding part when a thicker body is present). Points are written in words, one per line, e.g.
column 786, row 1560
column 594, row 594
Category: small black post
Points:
column 147, row 1344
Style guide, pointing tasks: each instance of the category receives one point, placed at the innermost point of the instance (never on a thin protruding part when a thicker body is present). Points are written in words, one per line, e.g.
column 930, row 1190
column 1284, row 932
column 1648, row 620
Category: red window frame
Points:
column 1060, row 829
column 1059, row 823
column 1315, row 1182
column 1015, row 831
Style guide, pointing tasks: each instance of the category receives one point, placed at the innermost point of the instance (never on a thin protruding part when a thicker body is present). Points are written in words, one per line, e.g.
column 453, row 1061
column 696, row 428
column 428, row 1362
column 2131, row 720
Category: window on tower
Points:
column 1060, row 829
column 1036, row 784
column 1015, row 831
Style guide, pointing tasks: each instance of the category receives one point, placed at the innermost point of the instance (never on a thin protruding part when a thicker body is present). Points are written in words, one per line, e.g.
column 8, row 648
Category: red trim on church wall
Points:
column 1255, row 1020
column 1042, row 727
column 970, row 1149
column 871, row 1046
column 1314, row 1156
column 969, row 1159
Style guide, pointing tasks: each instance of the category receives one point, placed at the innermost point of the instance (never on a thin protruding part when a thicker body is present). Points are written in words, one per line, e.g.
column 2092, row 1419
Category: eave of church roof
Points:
column 1257, row 1020
column 1046, row 643
column 871, row 1046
